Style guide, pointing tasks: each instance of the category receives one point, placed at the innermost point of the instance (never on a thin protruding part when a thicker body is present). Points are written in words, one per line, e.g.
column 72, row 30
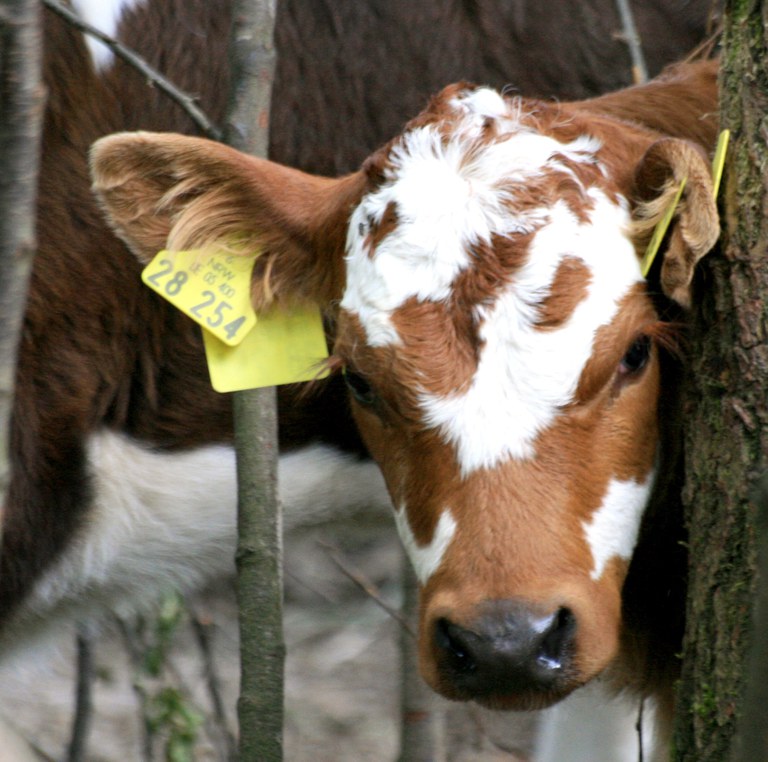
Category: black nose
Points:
column 509, row 648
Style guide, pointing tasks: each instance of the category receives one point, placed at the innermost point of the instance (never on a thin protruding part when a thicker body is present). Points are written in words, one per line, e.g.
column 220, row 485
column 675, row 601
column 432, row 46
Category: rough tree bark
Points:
column 752, row 738
column 726, row 409
column 259, row 552
column 21, row 110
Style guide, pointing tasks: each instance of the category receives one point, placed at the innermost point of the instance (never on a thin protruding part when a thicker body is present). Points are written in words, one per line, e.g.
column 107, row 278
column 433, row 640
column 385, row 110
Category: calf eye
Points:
column 360, row 388
column 637, row 356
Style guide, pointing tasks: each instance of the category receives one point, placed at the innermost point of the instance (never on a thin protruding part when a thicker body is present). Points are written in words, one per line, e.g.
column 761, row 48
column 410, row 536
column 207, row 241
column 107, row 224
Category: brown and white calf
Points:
column 508, row 364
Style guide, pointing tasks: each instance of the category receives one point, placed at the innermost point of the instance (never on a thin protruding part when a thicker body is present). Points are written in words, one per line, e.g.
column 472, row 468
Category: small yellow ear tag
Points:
column 213, row 288
column 658, row 232
column 718, row 163
column 284, row 347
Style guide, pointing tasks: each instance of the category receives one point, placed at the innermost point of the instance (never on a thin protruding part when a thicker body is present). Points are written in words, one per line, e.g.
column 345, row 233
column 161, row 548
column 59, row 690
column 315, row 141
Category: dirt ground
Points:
column 342, row 671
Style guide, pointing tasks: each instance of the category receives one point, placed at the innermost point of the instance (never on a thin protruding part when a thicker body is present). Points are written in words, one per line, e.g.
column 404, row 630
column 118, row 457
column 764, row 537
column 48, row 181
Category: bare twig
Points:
column 185, row 101
column 259, row 556
column 134, row 651
column 639, row 729
column 632, row 38
column 41, row 754
column 366, row 586
column 81, row 723
column 203, row 632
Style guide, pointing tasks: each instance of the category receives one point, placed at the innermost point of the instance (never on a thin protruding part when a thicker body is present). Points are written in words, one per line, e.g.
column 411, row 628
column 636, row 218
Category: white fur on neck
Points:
column 161, row 519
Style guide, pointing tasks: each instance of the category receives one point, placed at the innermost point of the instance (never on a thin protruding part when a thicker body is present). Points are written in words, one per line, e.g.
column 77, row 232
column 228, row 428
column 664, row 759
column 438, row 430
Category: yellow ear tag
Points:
column 718, row 163
column 658, row 232
column 284, row 347
column 213, row 288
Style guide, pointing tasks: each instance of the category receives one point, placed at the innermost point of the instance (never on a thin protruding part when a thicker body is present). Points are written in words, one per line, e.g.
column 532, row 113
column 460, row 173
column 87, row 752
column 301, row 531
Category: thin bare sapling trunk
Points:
column 21, row 109
column 259, row 552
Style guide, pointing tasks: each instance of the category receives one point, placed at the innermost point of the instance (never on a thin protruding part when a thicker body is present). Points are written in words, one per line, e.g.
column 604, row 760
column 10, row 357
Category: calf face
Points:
column 499, row 344
column 498, row 340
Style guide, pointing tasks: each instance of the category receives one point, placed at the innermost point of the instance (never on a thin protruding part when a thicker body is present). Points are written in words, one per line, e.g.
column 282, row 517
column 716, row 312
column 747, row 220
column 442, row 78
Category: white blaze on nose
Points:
column 613, row 528
column 526, row 375
column 425, row 559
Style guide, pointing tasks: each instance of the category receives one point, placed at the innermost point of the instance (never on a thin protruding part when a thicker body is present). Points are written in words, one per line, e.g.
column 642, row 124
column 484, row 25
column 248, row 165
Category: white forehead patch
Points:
column 525, row 376
column 613, row 528
column 105, row 15
column 448, row 194
column 425, row 559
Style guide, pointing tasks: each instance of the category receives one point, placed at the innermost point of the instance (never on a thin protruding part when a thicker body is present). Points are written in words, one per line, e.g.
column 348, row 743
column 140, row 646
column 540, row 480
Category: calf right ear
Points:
column 696, row 224
column 165, row 191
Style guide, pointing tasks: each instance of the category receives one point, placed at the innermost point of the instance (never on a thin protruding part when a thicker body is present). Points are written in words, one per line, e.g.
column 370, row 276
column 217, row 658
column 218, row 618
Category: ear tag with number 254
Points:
column 243, row 351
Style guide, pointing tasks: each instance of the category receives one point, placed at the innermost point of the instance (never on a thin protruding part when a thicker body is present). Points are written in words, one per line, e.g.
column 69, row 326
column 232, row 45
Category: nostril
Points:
column 454, row 641
column 509, row 648
column 557, row 639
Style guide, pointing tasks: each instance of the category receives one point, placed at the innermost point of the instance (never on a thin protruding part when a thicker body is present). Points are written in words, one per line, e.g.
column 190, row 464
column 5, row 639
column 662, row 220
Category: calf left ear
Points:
column 164, row 191
column 696, row 225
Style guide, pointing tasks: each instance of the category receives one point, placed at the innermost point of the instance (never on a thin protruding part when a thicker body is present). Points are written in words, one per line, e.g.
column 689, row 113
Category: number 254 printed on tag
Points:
column 214, row 290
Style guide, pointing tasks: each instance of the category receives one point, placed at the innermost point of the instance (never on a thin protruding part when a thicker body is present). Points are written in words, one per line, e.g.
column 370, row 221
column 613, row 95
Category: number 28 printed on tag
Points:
column 211, row 288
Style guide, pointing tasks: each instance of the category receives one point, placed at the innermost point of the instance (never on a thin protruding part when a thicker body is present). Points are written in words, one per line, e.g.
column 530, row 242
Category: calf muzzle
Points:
column 510, row 653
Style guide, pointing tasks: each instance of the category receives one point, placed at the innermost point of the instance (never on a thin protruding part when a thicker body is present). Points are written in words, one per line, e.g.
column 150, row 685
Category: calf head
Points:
column 498, row 340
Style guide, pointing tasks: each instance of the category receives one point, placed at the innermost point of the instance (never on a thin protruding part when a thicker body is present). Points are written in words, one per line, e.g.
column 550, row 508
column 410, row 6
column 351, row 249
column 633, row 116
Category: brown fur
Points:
column 569, row 287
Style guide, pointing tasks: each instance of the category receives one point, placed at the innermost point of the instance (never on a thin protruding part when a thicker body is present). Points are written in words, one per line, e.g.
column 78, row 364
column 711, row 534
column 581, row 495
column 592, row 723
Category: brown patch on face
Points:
column 388, row 370
column 493, row 266
column 569, row 287
column 440, row 347
column 427, row 498
column 419, row 468
column 379, row 231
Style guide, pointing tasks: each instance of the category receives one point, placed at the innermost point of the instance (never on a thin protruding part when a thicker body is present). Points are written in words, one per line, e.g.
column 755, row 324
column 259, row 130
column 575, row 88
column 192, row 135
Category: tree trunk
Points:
column 259, row 552
column 726, row 410
column 21, row 110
